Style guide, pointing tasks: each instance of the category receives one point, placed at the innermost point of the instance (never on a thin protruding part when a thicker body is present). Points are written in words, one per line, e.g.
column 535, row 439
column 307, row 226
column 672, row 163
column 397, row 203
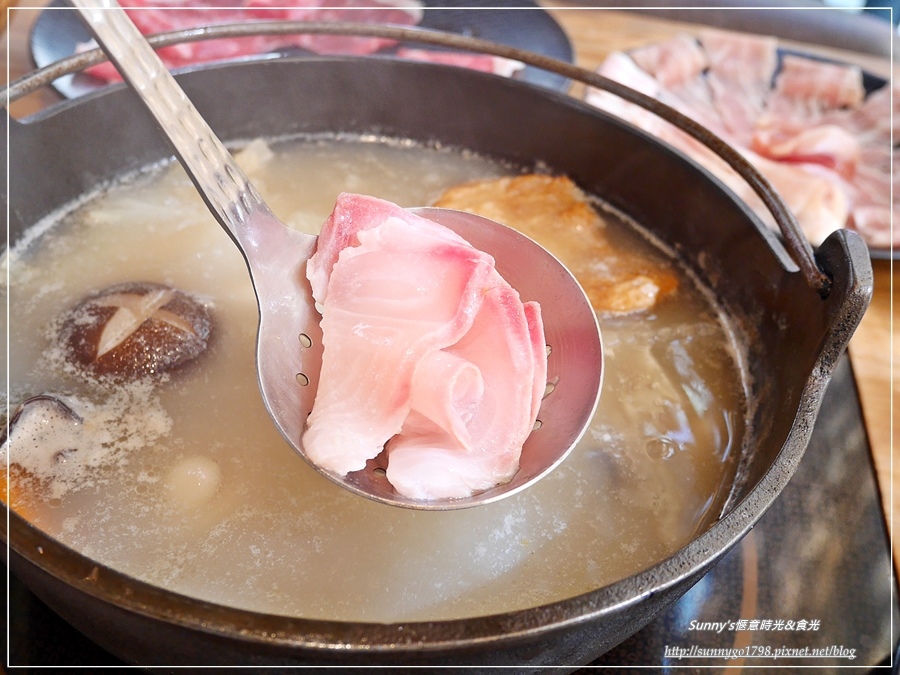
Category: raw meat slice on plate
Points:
column 807, row 125
column 158, row 17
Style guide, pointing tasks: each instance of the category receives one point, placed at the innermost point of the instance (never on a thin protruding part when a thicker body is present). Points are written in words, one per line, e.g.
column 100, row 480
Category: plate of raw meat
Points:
column 58, row 33
column 820, row 131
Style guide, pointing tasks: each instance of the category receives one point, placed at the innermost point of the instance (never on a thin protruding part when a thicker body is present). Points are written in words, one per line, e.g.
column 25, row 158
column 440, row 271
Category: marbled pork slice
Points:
column 158, row 17
column 739, row 77
column 807, row 90
column 402, row 288
column 828, row 145
column 672, row 62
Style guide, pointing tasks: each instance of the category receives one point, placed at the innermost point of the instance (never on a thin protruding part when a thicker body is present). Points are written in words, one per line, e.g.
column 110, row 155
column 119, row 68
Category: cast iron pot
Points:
column 796, row 322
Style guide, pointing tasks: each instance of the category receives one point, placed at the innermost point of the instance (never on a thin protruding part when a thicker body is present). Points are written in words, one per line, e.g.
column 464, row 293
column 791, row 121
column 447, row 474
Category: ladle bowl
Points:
column 289, row 340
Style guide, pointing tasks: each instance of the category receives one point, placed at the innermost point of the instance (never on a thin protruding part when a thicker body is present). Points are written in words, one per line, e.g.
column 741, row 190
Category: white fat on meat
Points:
column 427, row 350
column 672, row 62
column 875, row 120
column 620, row 67
column 819, row 85
column 829, row 145
column 739, row 77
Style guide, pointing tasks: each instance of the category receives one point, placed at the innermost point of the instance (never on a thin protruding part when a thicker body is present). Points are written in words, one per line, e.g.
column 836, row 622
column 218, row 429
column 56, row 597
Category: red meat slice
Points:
column 739, row 77
column 150, row 18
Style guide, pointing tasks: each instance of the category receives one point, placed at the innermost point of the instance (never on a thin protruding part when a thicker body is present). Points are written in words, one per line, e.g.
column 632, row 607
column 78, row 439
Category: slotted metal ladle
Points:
column 289, row 344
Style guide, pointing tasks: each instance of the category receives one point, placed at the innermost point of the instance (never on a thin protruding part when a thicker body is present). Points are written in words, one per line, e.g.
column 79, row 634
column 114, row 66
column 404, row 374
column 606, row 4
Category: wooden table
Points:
column 594, row 34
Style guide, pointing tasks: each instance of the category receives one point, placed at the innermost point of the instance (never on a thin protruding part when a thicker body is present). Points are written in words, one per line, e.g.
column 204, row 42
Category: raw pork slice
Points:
column 427, row 350
column 739, row 77
column 806, row 125
column 159, row 17
column 672, row 62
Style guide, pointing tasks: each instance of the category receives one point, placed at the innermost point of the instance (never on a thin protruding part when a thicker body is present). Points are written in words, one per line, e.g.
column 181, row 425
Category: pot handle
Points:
column 795, row 241
column 846, row 259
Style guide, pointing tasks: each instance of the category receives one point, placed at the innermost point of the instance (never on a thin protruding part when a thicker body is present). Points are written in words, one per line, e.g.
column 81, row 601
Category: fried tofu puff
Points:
column 554, row 212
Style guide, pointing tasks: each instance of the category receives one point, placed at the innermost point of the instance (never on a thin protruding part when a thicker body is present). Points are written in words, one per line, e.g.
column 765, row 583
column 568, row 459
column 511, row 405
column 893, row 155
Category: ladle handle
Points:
column 221, row 182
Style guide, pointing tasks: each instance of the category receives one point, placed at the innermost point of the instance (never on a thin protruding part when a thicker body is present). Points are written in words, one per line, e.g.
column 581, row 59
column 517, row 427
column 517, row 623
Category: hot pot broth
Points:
column 186, row 483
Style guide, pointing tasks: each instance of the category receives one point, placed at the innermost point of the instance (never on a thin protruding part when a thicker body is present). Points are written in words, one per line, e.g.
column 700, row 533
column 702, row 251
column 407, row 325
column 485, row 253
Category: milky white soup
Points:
column 186, row 484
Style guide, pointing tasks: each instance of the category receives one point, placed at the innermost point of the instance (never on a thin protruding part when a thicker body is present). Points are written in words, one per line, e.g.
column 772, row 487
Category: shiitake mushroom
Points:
column 134, row 330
